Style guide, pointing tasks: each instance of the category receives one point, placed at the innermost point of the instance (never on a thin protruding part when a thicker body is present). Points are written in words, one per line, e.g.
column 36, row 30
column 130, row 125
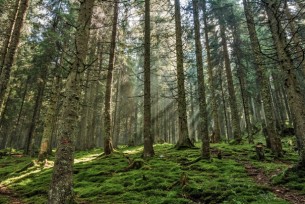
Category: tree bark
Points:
column 295, row 97
column 296, row 39
column 272, row 135
column 8, row 60
column 108, row 148
column 211, row 78
column 61, row 189
column 49, row 121
column 184, row 140
column 232, row 97
column 29, row 146
column 12, row 18
column 242, row 79
column 203, row 121
column 148, row 138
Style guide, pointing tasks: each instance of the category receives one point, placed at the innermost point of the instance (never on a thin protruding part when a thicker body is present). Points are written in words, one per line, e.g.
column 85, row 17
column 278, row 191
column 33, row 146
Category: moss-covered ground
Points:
column 100, row 179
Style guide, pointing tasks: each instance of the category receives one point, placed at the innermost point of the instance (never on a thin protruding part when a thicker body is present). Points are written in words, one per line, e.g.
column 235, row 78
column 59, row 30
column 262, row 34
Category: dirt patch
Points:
column 261, row 178
column 10, row 195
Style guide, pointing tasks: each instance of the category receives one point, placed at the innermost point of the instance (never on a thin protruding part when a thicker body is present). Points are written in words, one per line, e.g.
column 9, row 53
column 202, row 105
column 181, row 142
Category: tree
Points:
column 11, row 46
column 203, row 121
column 148, row 139
column 108, row 148
column 210, row 74
column 184, row 140
column 262, row 75
column 238, row 54
column 61, row 190
column 231, row 89
column 295, row 97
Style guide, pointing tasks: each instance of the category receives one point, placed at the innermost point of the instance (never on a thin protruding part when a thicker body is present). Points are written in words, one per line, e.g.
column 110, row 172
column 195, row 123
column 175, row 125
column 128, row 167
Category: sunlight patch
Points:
column 86, row 158
column 133, row 151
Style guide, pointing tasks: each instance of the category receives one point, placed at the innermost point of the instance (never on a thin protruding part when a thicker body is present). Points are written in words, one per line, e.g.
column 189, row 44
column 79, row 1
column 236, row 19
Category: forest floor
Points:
column 235, row 176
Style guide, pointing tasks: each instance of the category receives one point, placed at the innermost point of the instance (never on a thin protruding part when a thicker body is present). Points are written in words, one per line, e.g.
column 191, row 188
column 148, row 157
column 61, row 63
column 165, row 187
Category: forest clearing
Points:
column 152, row 101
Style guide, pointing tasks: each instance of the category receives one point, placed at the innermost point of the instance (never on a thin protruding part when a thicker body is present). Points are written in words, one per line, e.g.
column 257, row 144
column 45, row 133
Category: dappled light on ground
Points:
column 169, row 177
column 133, row 151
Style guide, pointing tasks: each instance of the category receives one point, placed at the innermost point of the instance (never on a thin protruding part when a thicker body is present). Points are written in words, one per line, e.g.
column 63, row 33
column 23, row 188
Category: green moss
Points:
column 292, row 178
column 102, row 179
column 4, row 199
column 11, row 164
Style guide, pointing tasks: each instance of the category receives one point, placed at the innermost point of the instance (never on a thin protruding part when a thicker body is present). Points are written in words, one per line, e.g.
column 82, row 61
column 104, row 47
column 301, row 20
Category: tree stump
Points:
column 260, row 152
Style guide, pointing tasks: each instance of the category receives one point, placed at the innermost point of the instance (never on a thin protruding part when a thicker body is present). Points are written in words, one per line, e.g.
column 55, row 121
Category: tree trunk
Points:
column 295, row 97
column 29, row 146
column 184, row 140
column 228, row 130
column 49, row 120
column 117, row 111
column 108, row 148
column 242, row 79
column 8, row 33
column 232, row 97
column 192, row 114
column 296, row 39
column 81, row 142
column 211, row 78
column 61, row 190
column 263, row 78
column 203, row 120
column 12, row 47
column 148, row 138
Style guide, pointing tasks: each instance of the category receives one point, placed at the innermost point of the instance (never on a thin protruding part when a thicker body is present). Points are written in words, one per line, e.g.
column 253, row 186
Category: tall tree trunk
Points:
column 12, row 47
column 148, row 137
column 29, row 146
column 245, row 102
column 232, row 97
column 228, row 130
column 93, row 101
column 296, row 39
column 203, row 120
column 16, row 125
column 192, row 114
column 61, row 189
column 8, row 33
column 108, row 148
column 272, row 135
column 242, row 79
column 295, row 97
column 116, row 113
column 287, row 107
column 216, row 131
column 49, row 120
column 184, row 140
column 81, row 142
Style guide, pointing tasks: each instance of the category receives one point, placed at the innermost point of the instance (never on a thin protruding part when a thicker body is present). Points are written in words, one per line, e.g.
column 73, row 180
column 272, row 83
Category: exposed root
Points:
column 182, row 181
column 136, row 164
column 186, row 144
column 133, row 164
